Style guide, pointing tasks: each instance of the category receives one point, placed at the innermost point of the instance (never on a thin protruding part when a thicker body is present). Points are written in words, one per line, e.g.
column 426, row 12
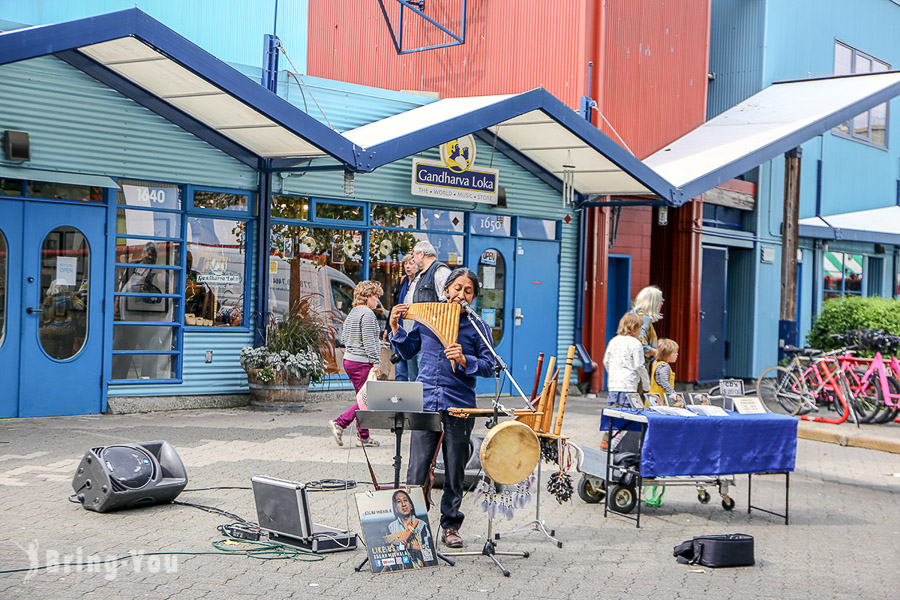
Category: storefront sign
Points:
column 65, row 270
column 151, row 197
column 455, row 177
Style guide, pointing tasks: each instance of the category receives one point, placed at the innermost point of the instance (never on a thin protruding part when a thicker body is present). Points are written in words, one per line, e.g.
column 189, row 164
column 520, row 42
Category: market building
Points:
column 138, row 245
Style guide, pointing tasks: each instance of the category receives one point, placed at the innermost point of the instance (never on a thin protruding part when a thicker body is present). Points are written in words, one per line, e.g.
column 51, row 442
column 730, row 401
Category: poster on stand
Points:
column 396, row 530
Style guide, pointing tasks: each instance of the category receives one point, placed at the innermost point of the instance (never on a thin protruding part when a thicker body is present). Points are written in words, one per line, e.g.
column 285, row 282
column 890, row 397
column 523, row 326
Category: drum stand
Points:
column 538, row 524
column 490, row 549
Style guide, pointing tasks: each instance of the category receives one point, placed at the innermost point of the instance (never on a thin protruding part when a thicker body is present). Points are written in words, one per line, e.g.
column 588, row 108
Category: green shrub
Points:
column 843, row 314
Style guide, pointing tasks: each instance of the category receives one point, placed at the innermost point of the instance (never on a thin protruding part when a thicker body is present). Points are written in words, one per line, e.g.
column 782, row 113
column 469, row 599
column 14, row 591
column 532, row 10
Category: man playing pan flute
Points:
column 446, row 385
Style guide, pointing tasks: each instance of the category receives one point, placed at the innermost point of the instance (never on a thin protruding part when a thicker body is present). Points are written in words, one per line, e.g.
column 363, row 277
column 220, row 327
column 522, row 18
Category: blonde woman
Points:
column 648, row 304
column 362, row 352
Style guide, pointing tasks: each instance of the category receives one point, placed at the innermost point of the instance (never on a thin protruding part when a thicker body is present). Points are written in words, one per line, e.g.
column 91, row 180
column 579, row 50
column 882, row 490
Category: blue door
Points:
column 713, row 283
column 10, row 304
column 618, row 292
column 493, row 260
column 60, row 285
column 536, row 312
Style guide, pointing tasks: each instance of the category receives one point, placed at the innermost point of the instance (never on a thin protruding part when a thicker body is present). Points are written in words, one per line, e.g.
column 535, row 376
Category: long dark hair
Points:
column 462, row 272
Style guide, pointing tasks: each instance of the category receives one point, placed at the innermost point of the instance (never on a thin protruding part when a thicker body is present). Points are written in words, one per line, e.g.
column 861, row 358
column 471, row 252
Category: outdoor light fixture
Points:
column 348, row 183
column 568, row 181
column 662, row 216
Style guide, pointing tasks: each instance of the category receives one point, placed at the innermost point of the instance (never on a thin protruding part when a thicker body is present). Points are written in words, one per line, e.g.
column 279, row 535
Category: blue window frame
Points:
column 870, row 126
column 182, row 263
column 843, row 274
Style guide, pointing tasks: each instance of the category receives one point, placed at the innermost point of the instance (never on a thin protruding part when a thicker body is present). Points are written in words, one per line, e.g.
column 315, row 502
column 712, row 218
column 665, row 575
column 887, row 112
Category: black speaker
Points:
column 16, row 146
column 129, row 476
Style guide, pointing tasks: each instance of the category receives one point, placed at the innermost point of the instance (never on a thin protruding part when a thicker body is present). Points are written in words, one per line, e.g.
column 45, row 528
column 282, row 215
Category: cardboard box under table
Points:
column 674, row 446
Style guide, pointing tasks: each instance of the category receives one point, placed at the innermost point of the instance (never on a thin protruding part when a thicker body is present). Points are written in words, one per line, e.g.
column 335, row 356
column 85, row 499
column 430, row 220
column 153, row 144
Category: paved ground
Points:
column 841, row 543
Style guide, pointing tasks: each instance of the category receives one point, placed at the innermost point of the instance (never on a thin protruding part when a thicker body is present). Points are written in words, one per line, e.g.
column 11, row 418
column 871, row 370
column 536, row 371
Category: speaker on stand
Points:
column 129, row 476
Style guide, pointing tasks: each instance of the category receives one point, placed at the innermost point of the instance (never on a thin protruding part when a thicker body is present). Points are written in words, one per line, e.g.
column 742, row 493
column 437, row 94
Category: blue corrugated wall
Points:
column 753, row 44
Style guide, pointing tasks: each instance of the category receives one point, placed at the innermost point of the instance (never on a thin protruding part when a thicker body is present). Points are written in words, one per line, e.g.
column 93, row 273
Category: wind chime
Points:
column 568, row 181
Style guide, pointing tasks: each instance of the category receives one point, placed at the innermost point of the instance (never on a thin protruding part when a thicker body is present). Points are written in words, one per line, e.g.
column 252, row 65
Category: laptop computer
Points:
column 397, row 396
column 282, row 510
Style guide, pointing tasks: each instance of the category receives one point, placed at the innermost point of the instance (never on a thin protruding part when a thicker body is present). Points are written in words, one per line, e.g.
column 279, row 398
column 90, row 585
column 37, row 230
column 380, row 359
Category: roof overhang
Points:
column 766, row 125
column 875, row 226
column 534, row 125
column 150, row 63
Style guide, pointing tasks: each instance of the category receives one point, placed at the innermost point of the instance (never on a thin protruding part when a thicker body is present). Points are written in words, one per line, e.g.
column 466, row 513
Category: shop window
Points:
column 147, row 304
column 157, row 196
column 4, row 260
column 536, row 229
column 339, row 212
column 843, row 275
column 319, row 263
column 490, row 224
column 10, row 187
column 387, row 248
column 722, row 217
column 221, row 201
column 383, row 215
column 65, row 267
column 65, row 191
column 290, row 207
column 490, row 303
column 443, row 220
column 870, row 126
column 215, row 271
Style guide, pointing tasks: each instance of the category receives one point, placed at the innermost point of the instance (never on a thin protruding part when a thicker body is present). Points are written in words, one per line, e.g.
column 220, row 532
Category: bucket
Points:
column 284, row 393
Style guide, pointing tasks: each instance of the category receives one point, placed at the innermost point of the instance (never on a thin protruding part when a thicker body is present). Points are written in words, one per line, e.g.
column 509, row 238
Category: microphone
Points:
column 468, row 308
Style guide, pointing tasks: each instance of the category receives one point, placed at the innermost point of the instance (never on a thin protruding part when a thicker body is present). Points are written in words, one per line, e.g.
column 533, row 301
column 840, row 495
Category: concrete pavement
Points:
column 843, row 533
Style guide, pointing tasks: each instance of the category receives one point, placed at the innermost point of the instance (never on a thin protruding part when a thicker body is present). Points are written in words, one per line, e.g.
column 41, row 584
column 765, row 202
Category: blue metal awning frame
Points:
column 480, row 120
column 64, row 39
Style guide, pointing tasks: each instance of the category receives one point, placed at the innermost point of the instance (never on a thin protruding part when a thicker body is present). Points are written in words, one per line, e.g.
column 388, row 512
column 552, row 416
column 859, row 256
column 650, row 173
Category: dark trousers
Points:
column 455, row 450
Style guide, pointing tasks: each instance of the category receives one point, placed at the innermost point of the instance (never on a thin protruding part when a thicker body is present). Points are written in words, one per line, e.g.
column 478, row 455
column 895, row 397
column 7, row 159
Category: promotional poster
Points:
column 396, row 530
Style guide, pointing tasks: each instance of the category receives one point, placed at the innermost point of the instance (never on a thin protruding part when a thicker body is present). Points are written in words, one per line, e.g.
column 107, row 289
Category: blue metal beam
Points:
column 33, row 42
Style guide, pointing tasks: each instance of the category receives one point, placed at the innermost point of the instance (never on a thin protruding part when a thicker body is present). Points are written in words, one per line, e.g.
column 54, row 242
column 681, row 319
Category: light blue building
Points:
column 154, row 198
column 845, row 170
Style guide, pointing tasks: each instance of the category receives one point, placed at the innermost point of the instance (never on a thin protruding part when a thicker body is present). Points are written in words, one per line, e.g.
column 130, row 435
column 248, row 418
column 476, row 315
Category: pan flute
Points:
column 441, row 318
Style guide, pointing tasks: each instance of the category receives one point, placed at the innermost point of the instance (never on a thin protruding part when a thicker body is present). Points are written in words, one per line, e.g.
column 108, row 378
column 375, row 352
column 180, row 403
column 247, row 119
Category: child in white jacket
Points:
column 624, row 361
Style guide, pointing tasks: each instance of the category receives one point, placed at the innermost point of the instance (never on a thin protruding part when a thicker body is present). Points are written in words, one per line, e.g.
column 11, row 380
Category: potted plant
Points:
column 290, row 358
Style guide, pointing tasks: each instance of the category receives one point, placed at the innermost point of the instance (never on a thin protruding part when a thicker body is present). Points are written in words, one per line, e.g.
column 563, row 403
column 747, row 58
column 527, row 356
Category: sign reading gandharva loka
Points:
column 454, row 177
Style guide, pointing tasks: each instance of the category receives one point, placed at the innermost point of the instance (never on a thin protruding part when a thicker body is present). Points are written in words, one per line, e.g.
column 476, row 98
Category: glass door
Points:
column 492, row 260
column 61, row 285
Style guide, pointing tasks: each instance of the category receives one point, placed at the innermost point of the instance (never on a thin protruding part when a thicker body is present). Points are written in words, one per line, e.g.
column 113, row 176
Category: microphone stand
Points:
column 490, row 548
column 537, row 524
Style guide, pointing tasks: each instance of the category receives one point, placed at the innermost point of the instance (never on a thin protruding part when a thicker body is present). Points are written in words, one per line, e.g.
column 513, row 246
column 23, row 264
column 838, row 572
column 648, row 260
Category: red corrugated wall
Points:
column 510, row 46
column 651, row 59
column 655, row 65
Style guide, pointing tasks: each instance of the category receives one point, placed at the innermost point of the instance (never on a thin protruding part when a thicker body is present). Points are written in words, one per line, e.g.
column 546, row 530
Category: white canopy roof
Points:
column 534, row 124
column 880, row 225
column 775, row 120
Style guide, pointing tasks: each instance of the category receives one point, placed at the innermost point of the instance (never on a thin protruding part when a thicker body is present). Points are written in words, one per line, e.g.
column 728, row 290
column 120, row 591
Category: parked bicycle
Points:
column 875, row 383
column 811, row 379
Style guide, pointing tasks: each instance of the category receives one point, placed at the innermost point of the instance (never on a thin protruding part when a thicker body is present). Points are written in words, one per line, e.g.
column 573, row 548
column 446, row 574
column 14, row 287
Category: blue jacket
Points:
column 444, row 388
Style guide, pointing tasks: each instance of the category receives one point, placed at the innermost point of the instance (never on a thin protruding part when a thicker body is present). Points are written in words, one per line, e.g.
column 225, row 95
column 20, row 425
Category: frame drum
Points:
column 510, row 452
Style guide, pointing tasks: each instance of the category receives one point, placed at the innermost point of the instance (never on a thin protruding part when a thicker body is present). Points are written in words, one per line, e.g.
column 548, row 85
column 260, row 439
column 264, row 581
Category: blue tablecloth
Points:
column 730, row 445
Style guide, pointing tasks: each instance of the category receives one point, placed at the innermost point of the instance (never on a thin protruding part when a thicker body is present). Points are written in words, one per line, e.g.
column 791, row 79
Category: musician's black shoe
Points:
column 451, row 538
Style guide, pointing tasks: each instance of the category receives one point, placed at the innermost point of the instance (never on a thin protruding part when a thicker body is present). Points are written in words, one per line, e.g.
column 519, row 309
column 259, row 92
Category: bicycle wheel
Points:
column 867, row 396
column 889, row 414
column 832, row 395
column 782, row 391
